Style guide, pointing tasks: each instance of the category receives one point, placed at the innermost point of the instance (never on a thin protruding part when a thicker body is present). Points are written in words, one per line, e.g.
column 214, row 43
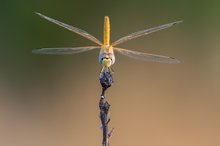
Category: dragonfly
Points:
column 106, row 55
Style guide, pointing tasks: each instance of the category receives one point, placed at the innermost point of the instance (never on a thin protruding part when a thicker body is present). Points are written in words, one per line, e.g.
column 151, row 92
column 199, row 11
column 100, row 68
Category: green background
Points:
column 53, row 100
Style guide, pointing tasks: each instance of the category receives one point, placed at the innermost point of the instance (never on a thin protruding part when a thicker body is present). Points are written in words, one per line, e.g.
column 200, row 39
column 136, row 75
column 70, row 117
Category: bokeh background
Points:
column 53, row 100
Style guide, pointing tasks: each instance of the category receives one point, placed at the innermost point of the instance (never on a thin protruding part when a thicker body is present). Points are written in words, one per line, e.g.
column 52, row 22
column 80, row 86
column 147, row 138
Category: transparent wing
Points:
column 71, row 28
column 58, row 51
column 143, row 32
column 146, row 56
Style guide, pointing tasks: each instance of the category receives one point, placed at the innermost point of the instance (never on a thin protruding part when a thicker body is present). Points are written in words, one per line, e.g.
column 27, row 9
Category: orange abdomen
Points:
column 106, row 31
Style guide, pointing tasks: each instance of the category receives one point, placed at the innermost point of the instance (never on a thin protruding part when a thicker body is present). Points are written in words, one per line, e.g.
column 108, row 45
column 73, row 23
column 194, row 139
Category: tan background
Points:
column 53, row 100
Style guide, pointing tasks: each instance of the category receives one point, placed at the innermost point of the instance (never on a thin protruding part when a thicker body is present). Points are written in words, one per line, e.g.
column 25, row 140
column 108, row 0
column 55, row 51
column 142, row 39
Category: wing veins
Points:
column 61, row 51
column 72, row 28
column 146, row 56
column 143, row 32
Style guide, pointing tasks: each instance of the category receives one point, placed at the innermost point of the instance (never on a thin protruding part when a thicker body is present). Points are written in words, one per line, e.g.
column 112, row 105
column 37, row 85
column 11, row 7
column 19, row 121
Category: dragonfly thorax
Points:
column 107, row 48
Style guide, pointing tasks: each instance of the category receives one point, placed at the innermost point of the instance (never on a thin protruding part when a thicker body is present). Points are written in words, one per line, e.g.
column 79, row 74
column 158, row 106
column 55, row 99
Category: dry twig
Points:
column 106, row 81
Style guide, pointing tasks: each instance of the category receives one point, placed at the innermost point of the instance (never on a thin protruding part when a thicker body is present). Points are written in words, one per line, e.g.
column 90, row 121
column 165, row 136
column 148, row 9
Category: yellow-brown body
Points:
column 106, row 55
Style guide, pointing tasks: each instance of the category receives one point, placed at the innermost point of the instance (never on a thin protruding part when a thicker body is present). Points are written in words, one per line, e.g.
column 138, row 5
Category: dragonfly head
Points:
column 106, row 62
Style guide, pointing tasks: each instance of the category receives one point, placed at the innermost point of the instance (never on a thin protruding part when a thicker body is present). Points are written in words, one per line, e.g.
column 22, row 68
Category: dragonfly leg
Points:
column 103, row 69
column 106, row 69
column 111, row 69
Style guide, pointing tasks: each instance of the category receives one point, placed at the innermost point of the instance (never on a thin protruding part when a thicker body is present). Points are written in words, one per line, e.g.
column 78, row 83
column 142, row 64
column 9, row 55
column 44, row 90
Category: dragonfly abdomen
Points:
column 106, row 31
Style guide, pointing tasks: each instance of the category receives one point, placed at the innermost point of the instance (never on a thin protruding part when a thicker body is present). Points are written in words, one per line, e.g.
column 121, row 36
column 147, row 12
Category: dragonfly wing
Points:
column 72, row 28
column 146, row 56
column 60, row 51
column 143, row 32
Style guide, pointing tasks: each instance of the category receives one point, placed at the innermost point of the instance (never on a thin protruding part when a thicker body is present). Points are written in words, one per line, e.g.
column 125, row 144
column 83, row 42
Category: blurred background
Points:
column 53, row 100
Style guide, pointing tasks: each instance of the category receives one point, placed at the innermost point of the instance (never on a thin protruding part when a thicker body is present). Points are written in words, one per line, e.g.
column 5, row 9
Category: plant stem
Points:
column 106, row 81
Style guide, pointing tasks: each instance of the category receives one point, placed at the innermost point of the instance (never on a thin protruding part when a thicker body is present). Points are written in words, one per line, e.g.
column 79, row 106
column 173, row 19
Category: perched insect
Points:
column 106, row 55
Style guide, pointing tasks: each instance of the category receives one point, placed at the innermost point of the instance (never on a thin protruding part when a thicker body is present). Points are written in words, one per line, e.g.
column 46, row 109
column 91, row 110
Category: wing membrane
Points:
column 146, row 56
column 143, row 32
column 72, row 28
column 60, row 51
